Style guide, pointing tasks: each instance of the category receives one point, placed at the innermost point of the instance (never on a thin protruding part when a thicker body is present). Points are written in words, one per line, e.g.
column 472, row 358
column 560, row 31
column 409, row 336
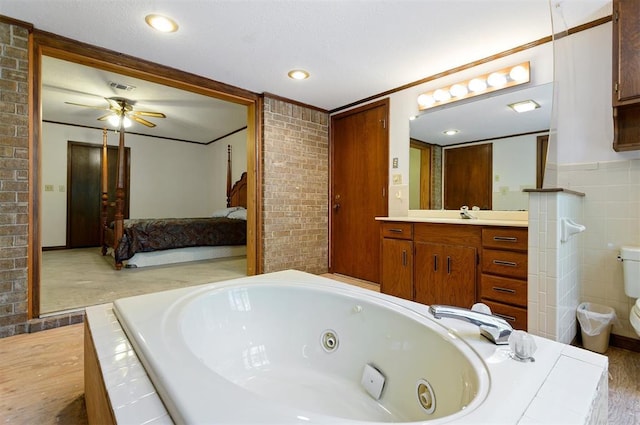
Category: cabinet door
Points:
column 445, row 274
column 626, row 44
column 428, row 271
column 397, row 268
column 459, row 286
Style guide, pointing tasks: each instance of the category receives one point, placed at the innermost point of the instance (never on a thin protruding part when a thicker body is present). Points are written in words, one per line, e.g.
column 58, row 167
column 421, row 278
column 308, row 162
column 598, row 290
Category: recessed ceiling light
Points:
column 161, row 23
column 298, row 74
column 450, row 132
column 524, row 106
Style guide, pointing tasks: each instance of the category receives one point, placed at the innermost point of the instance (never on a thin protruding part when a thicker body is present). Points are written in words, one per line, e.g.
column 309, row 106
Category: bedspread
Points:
column 146, row 235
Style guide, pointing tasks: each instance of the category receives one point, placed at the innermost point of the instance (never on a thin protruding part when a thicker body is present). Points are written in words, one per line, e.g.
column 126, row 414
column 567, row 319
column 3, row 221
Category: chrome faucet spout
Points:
column 464, row 213
column 494, row 328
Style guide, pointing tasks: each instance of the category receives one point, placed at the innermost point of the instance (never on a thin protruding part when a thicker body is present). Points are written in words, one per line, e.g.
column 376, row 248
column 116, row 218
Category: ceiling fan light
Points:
column 114, row 120
column 127, row 122
column 161, row 23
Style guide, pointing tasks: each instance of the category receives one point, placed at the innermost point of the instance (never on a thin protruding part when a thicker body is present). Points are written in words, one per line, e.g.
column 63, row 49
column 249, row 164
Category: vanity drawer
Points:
column 397, row 230
column 503, row 289
column 505, row 263
column 505, row 238
column 515, row 316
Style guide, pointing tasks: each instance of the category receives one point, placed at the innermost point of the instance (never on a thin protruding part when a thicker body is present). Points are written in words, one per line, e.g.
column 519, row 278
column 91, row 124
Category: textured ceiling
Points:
column 353, row 48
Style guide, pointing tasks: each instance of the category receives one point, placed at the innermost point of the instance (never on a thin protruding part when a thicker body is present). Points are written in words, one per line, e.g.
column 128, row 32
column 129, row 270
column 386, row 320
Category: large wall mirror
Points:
column 493, row 154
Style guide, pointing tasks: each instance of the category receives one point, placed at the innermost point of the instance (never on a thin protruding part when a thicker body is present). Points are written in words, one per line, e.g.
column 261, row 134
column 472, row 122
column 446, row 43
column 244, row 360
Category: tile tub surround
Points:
column 565, row 384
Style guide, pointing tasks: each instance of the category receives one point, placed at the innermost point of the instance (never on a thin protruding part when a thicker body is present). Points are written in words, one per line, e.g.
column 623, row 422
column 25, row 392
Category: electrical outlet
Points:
column 48, row 188
column 61, row 188
column 397, row 179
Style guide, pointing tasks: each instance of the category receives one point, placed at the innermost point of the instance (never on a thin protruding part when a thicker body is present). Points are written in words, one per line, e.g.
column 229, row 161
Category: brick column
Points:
column 14, row 178
column 296, row 187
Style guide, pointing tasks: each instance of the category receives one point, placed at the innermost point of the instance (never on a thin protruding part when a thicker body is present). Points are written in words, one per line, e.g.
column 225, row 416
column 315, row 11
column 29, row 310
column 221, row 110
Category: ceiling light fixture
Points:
column 524, row 106
column 451, row 132
column 161, row 23
column 298, row 74
column 487, row 83
column 114, row 120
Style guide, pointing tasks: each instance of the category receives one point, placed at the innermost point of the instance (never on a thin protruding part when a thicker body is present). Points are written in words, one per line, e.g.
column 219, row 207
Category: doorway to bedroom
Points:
column 175, row 172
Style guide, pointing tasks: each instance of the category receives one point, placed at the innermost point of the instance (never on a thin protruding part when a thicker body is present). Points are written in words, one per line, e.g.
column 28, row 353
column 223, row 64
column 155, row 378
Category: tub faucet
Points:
column 494, row 328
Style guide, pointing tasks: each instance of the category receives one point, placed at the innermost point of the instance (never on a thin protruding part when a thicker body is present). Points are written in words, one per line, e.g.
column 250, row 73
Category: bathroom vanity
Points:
column 435, row 257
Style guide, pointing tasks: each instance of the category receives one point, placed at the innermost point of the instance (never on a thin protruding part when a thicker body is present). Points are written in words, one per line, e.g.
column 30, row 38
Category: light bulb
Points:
column 497, row 79
column 477, row 85
column 426, row 100
column 458, row 90
column 441, row 95
column 519, row 73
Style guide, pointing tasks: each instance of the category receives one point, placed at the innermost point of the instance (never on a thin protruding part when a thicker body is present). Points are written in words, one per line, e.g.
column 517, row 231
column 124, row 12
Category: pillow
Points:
column 224, row 212
column 240, row 214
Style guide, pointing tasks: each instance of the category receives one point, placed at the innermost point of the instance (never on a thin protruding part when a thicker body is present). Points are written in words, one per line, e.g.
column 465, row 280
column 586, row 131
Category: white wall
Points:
column 168, row 178
column 588, row 163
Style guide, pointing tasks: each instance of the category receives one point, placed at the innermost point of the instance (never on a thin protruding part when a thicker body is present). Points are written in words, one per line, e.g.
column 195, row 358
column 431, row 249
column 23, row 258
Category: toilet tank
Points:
column 630, row 256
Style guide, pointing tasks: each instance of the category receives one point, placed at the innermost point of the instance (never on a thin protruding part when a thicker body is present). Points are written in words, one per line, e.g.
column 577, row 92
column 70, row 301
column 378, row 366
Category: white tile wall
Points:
column 554, row 266
column 612, row 217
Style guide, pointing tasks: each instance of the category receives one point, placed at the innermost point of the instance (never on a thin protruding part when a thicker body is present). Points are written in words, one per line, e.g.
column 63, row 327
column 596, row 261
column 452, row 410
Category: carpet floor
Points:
column 76, row 278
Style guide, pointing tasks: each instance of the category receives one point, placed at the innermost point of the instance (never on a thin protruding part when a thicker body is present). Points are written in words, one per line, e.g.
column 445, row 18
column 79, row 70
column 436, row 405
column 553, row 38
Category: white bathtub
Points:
column 291, row 348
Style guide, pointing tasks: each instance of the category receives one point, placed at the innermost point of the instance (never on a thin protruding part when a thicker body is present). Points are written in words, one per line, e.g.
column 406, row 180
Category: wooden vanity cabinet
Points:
column 397, row 259
column 503, row 281
column 457, row 264
column 626, row 75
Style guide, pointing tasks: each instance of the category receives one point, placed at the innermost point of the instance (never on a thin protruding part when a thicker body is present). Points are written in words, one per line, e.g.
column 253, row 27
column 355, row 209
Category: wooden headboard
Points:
column 238, row 193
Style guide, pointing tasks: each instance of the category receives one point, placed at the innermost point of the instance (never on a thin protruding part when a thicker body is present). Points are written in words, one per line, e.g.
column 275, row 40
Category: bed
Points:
column 154, row 241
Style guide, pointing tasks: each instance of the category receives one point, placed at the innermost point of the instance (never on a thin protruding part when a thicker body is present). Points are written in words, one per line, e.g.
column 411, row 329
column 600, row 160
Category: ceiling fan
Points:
column 120, row 107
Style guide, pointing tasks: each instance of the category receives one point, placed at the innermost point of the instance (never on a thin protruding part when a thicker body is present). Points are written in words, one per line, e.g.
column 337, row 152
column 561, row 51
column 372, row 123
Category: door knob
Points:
column 336, row 207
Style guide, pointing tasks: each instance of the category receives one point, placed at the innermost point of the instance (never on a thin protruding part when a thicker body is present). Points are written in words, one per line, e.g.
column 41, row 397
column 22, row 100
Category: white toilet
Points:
column 630, row 257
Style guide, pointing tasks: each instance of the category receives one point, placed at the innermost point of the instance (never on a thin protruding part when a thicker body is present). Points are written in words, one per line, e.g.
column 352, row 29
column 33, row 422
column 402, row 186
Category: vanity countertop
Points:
column 482, row 218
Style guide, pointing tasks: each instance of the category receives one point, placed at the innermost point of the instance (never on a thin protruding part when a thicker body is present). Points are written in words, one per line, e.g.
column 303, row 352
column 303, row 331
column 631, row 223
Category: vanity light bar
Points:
column 487, row 83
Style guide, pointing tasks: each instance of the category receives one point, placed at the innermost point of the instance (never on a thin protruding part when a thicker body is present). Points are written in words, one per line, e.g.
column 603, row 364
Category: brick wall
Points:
column 14, row 178
column 295, row 191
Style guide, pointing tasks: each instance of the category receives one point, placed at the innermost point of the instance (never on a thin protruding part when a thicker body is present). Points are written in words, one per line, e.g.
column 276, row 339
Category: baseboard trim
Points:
column 53, row 248
column 625, row 342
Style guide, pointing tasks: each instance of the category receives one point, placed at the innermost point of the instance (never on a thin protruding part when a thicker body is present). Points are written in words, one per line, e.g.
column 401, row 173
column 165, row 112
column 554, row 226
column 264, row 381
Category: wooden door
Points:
column 359, row 181
column 84, row 162
column 468, row 175
column 397, row 268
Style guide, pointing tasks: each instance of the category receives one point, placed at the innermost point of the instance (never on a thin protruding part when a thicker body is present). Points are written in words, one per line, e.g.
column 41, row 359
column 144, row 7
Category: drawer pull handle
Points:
column 505, row 263
column 504, row 290
column 395, row 230
column 505, row 317
column 505, row 239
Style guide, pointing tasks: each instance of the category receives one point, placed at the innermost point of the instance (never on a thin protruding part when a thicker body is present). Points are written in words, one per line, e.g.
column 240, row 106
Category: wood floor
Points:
column 41, row 380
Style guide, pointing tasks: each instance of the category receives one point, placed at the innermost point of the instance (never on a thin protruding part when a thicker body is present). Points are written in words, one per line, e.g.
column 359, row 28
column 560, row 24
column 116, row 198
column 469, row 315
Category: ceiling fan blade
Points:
column 87, row 106
column 142, row 121
column 105, row 117
column 148, row 114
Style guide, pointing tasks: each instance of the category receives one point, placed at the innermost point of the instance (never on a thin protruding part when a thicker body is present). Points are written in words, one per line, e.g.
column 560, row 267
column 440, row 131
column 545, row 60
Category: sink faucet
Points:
column 494, row 328
column 464, row 212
